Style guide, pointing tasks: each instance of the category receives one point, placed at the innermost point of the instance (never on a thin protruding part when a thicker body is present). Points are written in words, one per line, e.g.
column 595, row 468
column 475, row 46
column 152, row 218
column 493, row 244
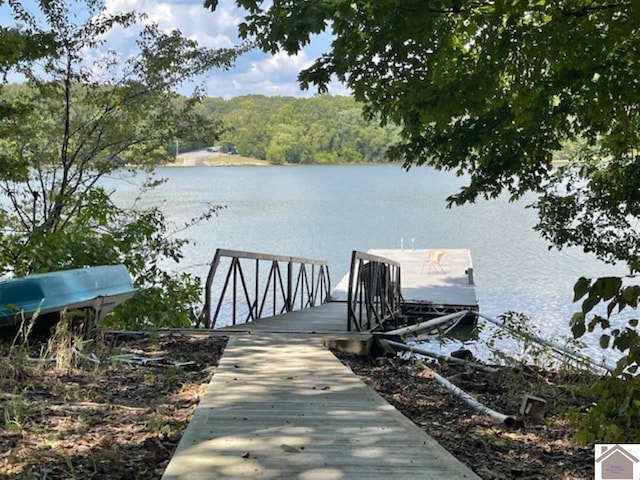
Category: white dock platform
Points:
column 449, row 283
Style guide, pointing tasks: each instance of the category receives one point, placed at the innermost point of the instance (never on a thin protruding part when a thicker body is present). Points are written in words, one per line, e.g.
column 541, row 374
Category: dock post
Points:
column 289, row 301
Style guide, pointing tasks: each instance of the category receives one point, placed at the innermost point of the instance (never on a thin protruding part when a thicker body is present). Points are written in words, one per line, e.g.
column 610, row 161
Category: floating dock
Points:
column 434, row 281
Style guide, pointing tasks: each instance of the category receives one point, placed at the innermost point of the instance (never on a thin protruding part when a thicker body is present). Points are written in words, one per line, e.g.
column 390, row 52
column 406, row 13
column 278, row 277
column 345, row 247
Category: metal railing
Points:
column 374, row 294
column 285, row 285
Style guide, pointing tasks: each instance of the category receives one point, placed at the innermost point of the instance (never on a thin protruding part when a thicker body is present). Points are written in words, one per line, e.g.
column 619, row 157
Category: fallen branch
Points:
column 548, row 343
column 429, row 324
column 471, row 401
column 444, row 358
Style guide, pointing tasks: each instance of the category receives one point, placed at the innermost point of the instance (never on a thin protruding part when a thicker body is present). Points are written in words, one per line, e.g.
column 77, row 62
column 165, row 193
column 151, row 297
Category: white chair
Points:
column 434, row 257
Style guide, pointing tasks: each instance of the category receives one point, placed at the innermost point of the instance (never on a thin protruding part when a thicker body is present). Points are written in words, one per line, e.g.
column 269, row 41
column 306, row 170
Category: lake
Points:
column 325, row 212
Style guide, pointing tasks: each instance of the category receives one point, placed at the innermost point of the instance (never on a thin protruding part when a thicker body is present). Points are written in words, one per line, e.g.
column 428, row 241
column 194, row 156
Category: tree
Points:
column 492, row 89
column 322, row 129
column 19, row 48
column 76, row 120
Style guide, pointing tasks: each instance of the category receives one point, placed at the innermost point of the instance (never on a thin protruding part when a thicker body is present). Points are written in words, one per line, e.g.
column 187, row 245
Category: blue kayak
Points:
column 101, row 288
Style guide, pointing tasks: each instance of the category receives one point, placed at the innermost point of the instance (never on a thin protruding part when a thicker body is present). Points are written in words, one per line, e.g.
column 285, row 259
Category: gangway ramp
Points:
column 329, row 318
column 287, row 408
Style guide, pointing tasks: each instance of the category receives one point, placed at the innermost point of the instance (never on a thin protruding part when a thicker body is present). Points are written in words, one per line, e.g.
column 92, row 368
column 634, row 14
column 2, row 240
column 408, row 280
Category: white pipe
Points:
column 439, row 356
column 428, row 324
column 548, row 343
column 472, row 402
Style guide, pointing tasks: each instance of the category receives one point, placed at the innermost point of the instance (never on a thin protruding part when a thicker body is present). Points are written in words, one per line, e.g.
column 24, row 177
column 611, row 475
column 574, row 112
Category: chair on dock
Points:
column 434, row 257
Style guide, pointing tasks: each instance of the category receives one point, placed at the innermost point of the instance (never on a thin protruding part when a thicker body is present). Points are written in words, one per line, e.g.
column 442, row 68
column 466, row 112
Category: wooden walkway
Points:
column 329, row 318
column 284, row 407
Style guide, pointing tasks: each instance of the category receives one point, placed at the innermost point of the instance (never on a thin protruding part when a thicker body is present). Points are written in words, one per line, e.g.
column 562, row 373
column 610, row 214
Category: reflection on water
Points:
column 325, row 212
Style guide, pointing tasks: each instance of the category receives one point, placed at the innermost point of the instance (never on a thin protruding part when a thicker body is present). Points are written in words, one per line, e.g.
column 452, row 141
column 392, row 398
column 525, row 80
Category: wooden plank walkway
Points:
column 287, row 408
column 326, row 318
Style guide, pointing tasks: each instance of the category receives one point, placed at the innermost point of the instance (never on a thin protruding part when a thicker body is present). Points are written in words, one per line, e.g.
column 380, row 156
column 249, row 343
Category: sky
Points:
column 253, row 73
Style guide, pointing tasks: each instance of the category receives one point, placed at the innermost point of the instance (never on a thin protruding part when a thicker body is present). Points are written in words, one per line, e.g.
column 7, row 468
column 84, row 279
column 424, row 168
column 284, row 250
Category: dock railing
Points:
column 374, row 294
column 268, row 284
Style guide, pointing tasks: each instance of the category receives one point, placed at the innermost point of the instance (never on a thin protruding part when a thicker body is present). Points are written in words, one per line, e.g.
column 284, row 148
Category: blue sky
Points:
column 253, row 73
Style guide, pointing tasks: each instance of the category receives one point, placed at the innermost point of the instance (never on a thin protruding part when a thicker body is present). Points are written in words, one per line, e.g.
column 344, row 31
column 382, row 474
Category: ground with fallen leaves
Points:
column 537, row 448
column 122, row 418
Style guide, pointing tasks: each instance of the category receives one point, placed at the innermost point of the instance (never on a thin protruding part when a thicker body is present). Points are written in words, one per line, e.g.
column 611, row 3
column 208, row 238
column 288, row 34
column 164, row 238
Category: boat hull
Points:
column 100, row 288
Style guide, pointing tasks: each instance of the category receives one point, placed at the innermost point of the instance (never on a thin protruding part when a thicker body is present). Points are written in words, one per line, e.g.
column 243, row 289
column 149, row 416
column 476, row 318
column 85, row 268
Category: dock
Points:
column 281, row 405
column 434, row 281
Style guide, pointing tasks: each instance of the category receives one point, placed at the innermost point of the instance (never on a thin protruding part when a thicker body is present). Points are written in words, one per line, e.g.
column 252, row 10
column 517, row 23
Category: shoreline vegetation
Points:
column 203, row 158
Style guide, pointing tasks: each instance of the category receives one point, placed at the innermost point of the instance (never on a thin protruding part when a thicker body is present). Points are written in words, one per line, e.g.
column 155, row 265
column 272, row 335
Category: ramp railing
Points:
column 258, row 285
column 374, row 294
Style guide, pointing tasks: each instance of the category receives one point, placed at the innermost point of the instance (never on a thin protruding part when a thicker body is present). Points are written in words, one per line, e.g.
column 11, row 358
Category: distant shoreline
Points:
column 203, row 158
column 207, row 159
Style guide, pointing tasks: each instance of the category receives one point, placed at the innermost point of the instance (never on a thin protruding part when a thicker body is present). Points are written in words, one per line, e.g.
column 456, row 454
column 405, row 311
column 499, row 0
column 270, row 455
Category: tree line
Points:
column 285, row 130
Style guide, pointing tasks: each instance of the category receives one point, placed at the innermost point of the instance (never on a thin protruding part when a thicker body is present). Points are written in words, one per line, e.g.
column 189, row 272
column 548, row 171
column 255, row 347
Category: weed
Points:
column 71, row 469
column 519, row 343
column 14, row 412
column 61, row 341
column 152, row 335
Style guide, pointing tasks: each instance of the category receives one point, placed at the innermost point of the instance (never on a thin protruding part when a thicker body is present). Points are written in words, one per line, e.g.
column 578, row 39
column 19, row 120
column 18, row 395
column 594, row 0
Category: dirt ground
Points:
column 535, row 448
column 122, row 418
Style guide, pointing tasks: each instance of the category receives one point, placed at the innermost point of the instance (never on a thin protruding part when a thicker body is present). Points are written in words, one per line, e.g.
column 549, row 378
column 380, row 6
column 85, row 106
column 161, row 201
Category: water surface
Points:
column 325, row 212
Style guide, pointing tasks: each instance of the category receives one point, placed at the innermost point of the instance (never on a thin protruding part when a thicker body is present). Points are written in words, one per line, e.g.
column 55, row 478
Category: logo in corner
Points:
column 616, row 462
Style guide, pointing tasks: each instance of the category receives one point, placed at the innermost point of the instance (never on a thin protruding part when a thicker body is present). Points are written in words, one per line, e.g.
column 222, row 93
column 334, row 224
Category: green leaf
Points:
column 604, row 341
column 631, row 295
column 591, row 301
column 581, row 288
column 622, row 343
column 607, row 287
column 577, row 325
column 582, row 436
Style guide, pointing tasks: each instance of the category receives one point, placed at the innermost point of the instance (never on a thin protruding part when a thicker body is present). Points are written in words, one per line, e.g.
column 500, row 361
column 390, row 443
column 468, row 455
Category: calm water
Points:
column 325, row 212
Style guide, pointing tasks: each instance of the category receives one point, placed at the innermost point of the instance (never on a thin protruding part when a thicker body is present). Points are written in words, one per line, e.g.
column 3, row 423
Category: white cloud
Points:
column 281, row 62
column 211, row 29
column 258, row 73
column 253, row 73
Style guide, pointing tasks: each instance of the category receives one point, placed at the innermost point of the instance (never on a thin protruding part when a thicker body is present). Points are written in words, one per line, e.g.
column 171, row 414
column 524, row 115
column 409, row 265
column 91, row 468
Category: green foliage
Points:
column 519, row 343
column 14, row 412
column 625, row 339
column 19, row 48
column 75, row 121
column 287, row 130
column 145, row 243
column 616, row 417
column 489, row 89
